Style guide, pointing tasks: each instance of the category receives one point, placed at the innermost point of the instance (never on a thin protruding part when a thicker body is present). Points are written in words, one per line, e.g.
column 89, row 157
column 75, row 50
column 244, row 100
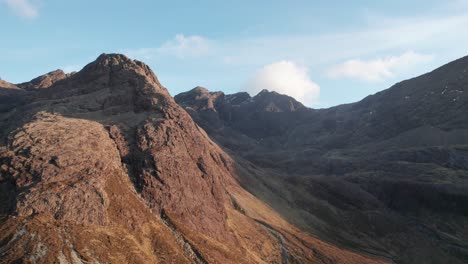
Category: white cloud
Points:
column 285, row 77
column 378, row 69
column 379, row 35
column 190, row 46
column 181, row 47
column 23, row 8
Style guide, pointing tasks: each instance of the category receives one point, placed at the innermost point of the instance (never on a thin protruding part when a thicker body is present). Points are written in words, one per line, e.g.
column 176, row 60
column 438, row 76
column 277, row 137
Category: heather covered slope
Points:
column 388, row 174
column 103, row 166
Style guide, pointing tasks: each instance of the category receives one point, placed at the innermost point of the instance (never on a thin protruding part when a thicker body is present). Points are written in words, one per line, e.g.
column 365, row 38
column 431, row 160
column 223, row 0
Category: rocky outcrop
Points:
column 44, row 81
column 69, row 200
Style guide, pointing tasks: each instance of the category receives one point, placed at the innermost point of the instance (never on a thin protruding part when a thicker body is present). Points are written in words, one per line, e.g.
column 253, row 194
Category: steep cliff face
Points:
column 66, row 198
column 103, row 166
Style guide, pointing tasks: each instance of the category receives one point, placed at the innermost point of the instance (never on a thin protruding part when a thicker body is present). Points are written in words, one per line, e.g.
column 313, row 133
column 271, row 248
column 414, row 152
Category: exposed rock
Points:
column 44, row 81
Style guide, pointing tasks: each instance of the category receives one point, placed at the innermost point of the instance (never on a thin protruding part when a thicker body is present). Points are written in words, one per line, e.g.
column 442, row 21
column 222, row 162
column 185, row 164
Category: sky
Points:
column 323, row 53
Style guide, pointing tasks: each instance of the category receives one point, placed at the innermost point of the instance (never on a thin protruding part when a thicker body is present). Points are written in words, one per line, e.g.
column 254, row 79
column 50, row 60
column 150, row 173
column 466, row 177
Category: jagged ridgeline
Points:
column 386, row 175
column 103, row 166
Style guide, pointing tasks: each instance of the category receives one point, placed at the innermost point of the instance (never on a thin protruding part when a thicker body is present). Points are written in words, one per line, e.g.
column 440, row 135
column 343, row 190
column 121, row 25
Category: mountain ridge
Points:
column 104, row 166
column 368, row 174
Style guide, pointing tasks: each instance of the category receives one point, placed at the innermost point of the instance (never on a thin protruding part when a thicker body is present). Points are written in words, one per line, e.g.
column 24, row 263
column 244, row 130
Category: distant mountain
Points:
column 386, row 175
column 240, row 111
column 102, row 166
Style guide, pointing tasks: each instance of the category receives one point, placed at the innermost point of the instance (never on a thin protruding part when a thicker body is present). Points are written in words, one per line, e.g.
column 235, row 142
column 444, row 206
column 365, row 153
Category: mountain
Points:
column 103, row 166
column 386, row 175
column 7, row 85
column 45, row 81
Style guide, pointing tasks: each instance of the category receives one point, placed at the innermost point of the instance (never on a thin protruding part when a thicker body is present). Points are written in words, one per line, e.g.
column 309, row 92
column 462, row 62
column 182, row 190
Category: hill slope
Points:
column 386, row 175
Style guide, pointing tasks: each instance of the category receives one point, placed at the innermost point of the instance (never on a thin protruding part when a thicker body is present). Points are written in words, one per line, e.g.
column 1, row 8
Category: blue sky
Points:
column 322, row 52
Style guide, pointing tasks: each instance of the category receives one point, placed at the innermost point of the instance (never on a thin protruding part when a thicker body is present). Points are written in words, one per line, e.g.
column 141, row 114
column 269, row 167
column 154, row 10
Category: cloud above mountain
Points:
column 181, row 47
column 378, row 69
column 186, row 46
column 285, row 77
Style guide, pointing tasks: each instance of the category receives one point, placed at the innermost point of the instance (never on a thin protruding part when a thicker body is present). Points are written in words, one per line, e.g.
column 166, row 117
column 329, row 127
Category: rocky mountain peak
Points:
column 113, row 83
column 271, row 101
column 44, row 81
column 200, row 89
column 113, row 65
column 113, row 58
column 199, row 98
column 238, row 98
column 263, row 91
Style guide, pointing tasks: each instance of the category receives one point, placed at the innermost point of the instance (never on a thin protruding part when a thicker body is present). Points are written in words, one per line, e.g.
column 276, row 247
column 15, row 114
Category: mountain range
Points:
column 105, row 166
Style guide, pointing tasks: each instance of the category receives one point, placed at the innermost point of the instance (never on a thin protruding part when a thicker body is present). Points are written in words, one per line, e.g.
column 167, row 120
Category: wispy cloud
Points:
column 285, row 77
column 190, row 46
column 378, row 50
column 180, row 47
column 385, row 36
column 23, row 8
column 378, row 69
column 382, row 35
